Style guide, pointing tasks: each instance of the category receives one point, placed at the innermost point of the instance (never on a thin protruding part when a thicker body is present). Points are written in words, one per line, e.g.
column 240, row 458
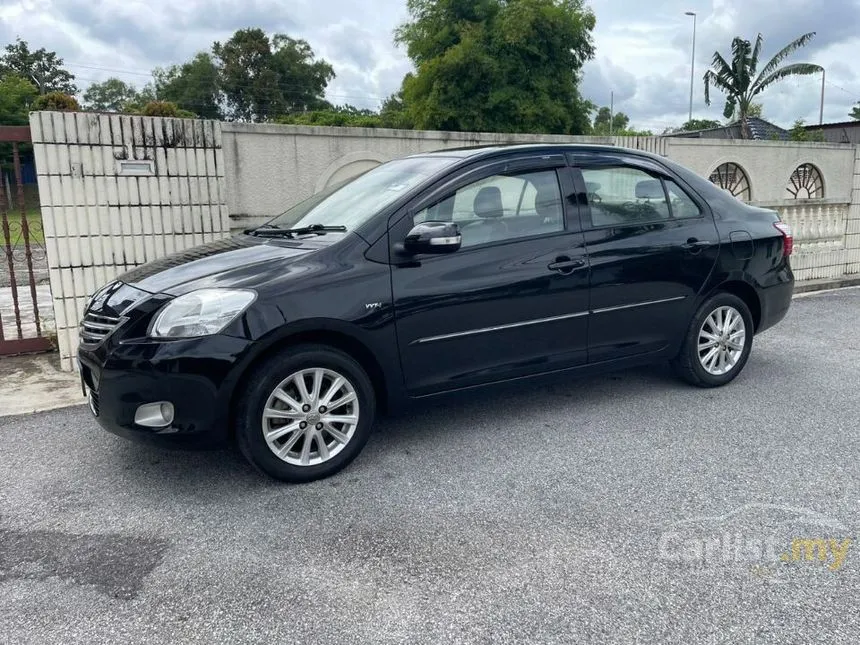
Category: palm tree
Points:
column 738, row 80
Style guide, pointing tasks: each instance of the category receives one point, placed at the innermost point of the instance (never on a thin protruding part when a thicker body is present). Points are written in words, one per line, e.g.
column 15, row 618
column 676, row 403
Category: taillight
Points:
column 787, row 239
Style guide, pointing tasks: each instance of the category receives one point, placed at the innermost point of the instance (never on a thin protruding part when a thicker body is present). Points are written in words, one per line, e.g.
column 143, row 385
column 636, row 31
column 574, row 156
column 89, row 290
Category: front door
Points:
column 651, row 244
column 513, row 300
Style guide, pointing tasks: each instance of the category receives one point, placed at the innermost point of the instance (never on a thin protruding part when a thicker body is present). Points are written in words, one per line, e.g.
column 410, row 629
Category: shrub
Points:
column 160, row 108
column 56, row 101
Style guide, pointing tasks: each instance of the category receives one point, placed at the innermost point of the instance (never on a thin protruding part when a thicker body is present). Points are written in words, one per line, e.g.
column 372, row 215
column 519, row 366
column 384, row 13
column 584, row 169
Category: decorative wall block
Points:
column 117, row 191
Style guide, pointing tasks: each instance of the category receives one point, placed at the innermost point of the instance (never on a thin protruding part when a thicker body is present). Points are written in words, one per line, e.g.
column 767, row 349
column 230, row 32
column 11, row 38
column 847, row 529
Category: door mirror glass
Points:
column 433, row 237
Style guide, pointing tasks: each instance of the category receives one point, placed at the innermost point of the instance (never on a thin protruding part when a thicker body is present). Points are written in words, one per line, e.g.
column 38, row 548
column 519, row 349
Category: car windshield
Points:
column 351, row 204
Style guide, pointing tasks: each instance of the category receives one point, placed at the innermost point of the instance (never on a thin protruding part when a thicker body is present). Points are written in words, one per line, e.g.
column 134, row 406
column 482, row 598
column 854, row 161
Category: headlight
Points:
column 200, row 313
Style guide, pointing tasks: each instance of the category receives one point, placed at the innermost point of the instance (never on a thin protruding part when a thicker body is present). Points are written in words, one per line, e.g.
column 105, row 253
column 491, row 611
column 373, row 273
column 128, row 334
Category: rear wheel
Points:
column 307, row 413
column 718, row 342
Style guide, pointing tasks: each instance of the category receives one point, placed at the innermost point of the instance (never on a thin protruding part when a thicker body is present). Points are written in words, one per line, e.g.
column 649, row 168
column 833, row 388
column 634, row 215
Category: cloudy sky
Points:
column 643, row 46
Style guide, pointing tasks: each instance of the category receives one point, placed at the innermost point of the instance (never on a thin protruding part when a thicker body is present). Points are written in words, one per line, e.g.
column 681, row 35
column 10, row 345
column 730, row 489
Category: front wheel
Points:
column 307, row 413
column 718, row 342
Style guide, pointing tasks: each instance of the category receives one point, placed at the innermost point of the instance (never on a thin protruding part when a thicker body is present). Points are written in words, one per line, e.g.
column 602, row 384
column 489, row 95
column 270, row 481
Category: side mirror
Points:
column 433, row 237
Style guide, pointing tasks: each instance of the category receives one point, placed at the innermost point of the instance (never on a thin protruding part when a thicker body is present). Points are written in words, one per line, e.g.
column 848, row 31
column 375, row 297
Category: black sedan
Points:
column 427, row 275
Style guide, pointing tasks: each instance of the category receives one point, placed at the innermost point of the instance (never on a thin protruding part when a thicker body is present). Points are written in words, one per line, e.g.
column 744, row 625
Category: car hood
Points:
column 241, row 261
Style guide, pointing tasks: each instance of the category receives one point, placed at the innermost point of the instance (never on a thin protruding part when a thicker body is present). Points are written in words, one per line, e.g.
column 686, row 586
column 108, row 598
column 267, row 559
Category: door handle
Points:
column 566, row 265
column 694, row 246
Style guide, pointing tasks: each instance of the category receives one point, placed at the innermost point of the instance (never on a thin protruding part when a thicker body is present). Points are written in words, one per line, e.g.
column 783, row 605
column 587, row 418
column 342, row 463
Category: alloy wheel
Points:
column 310, row 416
column 722, row 338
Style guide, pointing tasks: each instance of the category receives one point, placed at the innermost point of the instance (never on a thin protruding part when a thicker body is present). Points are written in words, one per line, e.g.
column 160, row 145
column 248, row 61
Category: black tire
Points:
column 687, row 364
column 260, row 385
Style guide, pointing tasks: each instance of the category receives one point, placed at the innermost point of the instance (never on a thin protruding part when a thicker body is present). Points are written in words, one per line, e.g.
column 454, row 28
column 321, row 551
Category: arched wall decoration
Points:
column 805, row 182
column 352, row 158
column 733, row 178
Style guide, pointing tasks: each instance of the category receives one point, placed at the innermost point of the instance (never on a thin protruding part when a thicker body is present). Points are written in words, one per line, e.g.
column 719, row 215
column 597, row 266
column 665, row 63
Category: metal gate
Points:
column 23, row 300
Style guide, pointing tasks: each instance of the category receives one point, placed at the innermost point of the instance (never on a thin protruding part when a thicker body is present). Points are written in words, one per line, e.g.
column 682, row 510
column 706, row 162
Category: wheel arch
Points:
column 320, row 334
column 743, row 290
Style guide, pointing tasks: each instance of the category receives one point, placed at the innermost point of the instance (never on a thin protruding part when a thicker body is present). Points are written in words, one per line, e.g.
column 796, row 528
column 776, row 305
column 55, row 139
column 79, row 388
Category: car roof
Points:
column 487, row 151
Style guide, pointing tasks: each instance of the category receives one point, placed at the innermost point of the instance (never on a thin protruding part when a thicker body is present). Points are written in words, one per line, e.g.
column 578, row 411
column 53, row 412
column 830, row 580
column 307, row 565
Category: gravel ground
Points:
column 628, row 508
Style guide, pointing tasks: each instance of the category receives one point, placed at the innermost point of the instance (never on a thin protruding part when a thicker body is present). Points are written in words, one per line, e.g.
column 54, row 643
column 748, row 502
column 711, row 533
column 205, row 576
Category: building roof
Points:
column 766, row 130
column 759, row 129
column 853, row 123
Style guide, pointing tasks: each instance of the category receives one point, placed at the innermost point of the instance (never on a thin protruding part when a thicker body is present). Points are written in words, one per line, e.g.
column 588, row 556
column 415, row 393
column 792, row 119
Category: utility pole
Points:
column 821, row 112
column 692, row 62
column 611, row 109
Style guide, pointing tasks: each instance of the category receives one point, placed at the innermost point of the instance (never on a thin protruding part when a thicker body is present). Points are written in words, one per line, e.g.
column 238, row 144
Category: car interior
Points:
column 501, row 208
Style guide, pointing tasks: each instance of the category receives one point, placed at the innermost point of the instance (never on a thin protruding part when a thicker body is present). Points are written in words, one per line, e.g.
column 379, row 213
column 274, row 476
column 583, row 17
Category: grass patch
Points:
column 34, row 222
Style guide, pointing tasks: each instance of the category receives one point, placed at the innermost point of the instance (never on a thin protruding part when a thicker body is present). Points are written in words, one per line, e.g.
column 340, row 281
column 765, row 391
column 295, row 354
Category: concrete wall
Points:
column 118, row 191
column 769, row 164
column 271, row 167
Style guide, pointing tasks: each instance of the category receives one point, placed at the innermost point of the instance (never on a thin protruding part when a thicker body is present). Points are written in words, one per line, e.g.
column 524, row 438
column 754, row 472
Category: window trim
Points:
column 594, row 163
column 469, row 175
column 571, row 218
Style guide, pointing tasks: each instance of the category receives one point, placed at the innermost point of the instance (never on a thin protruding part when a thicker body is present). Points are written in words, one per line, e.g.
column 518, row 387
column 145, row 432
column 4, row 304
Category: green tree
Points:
column 739, row 80
column 16, row 97
column 43, row 68
column 262, row 78
column 799, row 132
column 111, row 95
column 603, row 118
column 342, row 115
column 56, row 102
column 855, row 111
column 393, row 113
column 698, row 124
column 497, row 65
column 193, row 86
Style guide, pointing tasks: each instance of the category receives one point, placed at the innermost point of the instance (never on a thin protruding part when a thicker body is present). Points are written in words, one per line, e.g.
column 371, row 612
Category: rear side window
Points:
column 618, row 196
column 682, row 205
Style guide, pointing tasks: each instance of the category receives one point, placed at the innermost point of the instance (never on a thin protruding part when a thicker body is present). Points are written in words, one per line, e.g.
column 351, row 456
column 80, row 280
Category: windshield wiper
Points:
column 263, row 229
column 319, row 229
column 270, row 230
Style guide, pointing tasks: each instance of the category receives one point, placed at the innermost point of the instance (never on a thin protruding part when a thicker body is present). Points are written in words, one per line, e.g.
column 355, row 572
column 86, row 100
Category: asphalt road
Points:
column 628, row 508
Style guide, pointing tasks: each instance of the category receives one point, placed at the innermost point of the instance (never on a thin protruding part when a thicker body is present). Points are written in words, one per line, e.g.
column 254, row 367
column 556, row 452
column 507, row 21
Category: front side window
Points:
column 502, row 207
column 355, row 202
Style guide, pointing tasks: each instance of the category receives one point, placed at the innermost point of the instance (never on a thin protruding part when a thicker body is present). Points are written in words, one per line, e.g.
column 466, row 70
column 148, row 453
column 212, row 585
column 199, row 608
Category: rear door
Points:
column 513, row 301
column 651, row 243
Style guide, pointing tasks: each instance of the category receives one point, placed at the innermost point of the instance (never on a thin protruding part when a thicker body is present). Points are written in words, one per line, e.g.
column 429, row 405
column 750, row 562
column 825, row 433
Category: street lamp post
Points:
column 821, row 111
column 692, row 61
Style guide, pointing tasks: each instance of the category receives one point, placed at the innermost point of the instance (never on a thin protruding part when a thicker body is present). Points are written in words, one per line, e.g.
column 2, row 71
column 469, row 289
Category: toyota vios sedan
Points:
column 427, row 275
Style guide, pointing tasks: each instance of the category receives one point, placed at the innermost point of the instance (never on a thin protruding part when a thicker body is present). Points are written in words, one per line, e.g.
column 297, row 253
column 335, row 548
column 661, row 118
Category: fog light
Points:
column 154, row 415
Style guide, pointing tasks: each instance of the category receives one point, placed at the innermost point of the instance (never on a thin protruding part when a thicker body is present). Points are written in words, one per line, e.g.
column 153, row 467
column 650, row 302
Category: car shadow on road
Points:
column 530, row 399
column 435, row 420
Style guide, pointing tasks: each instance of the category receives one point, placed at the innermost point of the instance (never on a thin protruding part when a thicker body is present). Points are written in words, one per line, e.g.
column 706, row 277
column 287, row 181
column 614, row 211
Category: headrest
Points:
column 592, row 186
column 488, row 202
column 650, row 189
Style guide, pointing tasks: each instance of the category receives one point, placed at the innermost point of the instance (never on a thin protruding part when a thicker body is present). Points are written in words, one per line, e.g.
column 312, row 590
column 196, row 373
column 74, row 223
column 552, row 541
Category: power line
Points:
column 839, row 87
column 109, row 69
column 271, row 90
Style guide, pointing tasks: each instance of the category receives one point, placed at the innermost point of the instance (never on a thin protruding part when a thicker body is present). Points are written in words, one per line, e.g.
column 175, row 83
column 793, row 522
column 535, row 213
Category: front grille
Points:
column 96, row 327
column 94, row 402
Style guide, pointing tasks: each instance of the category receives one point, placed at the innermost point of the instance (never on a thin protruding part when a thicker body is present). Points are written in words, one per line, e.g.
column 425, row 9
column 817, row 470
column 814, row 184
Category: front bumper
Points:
column 196, row 375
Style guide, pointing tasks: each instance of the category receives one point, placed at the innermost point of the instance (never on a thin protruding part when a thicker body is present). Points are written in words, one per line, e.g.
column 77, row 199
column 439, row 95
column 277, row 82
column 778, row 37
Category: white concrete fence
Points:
column 118, row 191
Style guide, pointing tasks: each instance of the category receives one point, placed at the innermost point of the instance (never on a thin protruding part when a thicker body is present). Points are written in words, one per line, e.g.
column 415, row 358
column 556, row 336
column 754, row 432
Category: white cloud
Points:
column 643, row 48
